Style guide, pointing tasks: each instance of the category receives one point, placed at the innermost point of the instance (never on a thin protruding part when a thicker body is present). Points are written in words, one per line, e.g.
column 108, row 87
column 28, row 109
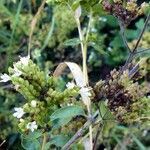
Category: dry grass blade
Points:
column 33, row 24
column 75, row 70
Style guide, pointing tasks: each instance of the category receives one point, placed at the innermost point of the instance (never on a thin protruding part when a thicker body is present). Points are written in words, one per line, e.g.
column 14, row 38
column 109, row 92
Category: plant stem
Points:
column 84, row 51
column 44, row 141
column 84, row 41
column 122, row 31
column 133, row 52
column 142, row 32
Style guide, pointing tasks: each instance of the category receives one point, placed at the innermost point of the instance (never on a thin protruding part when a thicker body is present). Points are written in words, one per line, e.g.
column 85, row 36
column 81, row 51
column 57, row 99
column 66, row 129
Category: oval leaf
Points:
column 67, row 112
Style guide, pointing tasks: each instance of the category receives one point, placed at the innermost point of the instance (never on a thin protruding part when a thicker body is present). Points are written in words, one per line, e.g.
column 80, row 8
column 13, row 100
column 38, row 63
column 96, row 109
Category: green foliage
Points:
column 47, row 106
column 63, row 115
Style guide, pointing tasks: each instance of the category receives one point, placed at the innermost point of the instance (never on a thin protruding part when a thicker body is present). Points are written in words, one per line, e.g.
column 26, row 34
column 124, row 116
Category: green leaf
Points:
column 117, row 42
column 138, row 142
column 60, row 122
column 68, row 111
column 47, row 145
column 132, row 34
column 111, row 21
column 32, row 135
column 30, row 141
column 60, row 140
column 140, row 24
column 29, row 144
column 105, row 112
column 63, row 115
column 72, row 42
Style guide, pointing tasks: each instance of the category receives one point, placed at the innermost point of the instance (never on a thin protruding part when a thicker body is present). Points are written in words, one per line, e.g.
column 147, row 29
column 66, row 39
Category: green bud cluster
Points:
column 140, row 111
column 41, row 92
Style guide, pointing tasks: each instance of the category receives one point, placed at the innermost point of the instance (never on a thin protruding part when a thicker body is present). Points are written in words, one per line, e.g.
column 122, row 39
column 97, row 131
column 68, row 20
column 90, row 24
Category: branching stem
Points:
column 134, row 51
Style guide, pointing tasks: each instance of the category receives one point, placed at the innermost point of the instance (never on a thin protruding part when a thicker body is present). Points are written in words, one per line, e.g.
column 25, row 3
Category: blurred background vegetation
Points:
column 51, row 45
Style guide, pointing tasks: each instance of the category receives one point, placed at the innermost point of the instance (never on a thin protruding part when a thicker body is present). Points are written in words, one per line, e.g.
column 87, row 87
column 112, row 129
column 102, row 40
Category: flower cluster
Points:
column 123, row 94
column 125, row 12
column 41, row 92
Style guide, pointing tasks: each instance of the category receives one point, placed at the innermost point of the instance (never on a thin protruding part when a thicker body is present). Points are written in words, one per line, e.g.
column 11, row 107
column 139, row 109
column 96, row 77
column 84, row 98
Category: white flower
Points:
column 5, row 77
column 19, row 112
column 24, row 60
column 32, row 126
column 33, row 103
column 70, row 85
column 17, row 72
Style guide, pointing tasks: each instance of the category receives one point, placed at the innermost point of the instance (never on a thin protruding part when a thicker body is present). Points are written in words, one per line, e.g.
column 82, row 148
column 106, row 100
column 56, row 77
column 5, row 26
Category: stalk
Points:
column 44, row 141
column 84, row 42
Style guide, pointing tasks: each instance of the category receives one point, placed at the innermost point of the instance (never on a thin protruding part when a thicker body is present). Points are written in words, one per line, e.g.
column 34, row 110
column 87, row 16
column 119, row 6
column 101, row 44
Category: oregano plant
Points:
column 82, row 115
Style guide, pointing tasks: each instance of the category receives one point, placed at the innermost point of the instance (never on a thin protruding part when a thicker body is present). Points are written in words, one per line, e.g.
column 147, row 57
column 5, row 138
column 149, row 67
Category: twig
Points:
column 141, row 51
column 97, row 135
column 142, row 32
column 133, row 52
column 80, row 132
column 122, row 30
column 98, row 130
column 2, row 143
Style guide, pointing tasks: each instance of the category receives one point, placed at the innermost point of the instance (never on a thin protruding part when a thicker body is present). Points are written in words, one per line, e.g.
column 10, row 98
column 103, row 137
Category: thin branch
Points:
column 142, row 51
column 142, row 32
column 80, row 132
column 133, row 52
column 97, row 135
column 133, row 71
column 2, row 143
column 122, row 31
column 98, row 129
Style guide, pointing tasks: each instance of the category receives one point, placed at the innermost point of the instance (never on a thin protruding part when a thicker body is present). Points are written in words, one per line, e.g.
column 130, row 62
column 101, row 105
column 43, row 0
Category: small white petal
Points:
column 32, row 126
column 19, row 112
column 33, row 103
column 24, row 60
column 5, row 78
column 70, row 85
column 17, row 72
